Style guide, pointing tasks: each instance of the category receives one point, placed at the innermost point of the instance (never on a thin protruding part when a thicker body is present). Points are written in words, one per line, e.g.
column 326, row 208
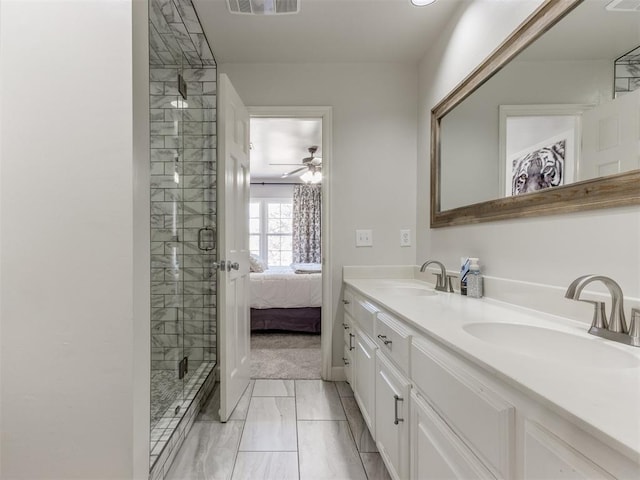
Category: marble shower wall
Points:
column 183, row 187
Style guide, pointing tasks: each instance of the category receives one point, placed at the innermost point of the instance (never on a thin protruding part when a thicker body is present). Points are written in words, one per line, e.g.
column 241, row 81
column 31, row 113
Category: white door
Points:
column 611, row 137
column 233, row 274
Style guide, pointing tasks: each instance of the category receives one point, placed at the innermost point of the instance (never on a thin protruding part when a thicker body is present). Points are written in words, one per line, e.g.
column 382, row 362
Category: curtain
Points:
column 306, row 223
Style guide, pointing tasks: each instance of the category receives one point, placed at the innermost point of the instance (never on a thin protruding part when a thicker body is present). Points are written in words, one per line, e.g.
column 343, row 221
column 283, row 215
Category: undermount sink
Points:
column 405, row 291
column 552, row 345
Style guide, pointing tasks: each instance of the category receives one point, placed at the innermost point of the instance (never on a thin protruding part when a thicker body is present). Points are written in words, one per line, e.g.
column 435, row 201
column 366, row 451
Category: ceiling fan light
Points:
column 422, row 3
column 311, row 177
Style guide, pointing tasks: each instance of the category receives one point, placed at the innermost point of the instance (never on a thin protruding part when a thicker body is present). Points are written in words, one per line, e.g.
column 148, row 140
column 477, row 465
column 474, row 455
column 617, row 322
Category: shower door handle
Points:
column 209, row 242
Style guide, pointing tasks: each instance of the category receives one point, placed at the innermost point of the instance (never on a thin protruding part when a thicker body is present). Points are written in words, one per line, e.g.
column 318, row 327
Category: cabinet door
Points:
column 392, row 421
column 347, row 360
column 347, row 355
column 365, row 377
column 437, row 452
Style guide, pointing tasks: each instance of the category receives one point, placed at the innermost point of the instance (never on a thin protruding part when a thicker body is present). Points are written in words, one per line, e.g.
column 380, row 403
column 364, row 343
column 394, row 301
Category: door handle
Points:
column 233, row 266
column 396, row 399
column 351, row 347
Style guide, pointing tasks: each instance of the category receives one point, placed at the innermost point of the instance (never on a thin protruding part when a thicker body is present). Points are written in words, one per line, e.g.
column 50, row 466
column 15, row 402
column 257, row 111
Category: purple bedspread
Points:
column 290, row 319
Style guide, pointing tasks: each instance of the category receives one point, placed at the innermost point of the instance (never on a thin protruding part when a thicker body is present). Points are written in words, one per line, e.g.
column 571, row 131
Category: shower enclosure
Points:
column 183, row 221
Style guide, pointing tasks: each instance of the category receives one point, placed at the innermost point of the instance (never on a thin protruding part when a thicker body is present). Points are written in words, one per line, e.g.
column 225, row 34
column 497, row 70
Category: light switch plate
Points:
column 364, row 238
column 405, row 238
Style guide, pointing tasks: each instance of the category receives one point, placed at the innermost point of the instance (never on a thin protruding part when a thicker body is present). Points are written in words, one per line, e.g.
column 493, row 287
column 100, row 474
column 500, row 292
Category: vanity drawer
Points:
column 484, row 420
column 348, row 300
column 393, row 339
column 365, row 316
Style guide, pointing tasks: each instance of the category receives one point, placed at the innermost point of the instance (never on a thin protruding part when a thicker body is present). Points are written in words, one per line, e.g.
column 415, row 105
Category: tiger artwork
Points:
column 543, row 168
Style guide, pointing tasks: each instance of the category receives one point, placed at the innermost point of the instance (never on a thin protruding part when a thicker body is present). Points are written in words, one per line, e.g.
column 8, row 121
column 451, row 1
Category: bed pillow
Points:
column 256, row 264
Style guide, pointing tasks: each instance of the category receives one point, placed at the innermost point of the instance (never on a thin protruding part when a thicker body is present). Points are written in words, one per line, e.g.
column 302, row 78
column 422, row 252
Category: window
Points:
column 271, row 230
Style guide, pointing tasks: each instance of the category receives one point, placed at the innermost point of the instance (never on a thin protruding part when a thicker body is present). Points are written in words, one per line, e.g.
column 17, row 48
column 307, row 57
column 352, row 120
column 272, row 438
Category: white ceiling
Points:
column 278, row 145
column 326, row 31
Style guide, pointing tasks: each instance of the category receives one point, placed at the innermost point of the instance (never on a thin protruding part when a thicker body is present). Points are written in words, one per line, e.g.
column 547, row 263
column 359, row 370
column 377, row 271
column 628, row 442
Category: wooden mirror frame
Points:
column 610, row 191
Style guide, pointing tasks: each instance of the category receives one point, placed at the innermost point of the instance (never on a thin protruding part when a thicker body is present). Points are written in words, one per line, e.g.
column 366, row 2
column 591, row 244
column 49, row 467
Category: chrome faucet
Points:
column 616, row 328
column 441, row 278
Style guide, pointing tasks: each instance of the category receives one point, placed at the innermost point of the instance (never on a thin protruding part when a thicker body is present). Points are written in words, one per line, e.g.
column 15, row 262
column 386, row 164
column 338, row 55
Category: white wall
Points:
column 75, row 247
column 374, row 150
column 551, row 250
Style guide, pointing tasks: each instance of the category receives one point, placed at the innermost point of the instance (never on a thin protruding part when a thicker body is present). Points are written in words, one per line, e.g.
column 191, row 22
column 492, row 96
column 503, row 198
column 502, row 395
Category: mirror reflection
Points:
column 566, row 109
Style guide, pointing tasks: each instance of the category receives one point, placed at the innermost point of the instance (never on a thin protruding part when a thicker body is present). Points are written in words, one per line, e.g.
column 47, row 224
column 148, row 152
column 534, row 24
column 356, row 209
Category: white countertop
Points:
column 603, row 401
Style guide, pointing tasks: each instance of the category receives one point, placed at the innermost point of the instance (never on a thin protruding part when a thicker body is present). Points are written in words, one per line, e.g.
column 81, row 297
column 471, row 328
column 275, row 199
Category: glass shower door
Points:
column 168, row 367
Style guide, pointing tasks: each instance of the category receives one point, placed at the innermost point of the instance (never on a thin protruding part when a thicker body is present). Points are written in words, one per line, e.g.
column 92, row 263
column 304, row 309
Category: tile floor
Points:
column 282, row 429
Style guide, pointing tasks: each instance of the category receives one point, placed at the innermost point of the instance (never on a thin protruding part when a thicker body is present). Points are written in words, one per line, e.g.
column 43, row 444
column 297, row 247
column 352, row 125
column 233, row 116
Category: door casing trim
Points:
column 326, row 113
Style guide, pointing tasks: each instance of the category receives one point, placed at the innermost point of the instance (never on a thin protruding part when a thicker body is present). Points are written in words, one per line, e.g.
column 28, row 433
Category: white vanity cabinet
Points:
column 392, row 417
column 438, row 413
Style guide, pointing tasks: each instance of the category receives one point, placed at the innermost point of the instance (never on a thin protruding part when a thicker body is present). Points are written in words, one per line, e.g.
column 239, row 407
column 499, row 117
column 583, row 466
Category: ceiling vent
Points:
column 624, row 6
column 263, row 7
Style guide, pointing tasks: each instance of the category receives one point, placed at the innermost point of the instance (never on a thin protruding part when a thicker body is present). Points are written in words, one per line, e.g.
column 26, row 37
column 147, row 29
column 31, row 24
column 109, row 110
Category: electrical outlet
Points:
column 364, row 238
column 405, row 238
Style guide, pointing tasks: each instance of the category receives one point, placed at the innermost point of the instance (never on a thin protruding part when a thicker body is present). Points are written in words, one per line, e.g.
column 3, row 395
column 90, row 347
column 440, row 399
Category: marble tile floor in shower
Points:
column 165, row 389
column 167, row 393
column 282, row 429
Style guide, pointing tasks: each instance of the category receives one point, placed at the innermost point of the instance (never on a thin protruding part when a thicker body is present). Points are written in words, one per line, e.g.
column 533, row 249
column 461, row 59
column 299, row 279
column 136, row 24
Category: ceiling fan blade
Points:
column 293, row 172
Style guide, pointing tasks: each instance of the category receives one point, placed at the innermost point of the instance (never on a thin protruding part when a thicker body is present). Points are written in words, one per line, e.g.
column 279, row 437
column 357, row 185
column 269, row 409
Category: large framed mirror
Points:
column 545, row 124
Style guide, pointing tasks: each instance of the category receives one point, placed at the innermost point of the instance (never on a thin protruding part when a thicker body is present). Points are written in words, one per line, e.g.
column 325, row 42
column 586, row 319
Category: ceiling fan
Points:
column 311, row 167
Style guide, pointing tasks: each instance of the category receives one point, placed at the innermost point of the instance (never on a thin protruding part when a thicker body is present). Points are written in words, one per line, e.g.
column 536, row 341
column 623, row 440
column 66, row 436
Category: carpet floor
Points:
column 285, row 355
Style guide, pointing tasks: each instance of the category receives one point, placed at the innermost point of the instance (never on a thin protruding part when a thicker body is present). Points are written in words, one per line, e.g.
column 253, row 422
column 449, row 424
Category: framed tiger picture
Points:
column 542, row 167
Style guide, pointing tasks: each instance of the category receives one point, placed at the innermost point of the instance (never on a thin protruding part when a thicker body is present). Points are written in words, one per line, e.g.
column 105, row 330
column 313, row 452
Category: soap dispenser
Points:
column 474, row 279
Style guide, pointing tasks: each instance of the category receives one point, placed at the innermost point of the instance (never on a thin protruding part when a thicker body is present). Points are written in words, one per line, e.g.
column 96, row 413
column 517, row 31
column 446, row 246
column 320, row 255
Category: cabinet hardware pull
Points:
column 397, row 399
column 346, row 327
column 351, row 347
column 346, row 362
column 346, row 302
column 384, row 339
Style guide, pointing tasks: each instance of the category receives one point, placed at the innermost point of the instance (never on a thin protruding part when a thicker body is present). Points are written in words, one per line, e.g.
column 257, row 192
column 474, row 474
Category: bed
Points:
column 282, row 299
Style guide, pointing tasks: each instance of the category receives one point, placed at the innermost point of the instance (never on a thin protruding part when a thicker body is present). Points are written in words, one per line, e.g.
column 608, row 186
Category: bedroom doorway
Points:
column 289, row 243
